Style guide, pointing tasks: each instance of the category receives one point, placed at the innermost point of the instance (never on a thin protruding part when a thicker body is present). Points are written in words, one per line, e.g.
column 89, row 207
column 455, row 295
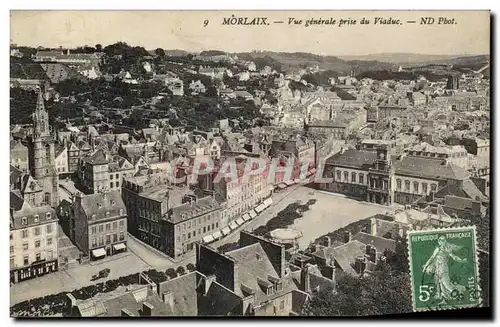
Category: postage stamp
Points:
column 444, row 268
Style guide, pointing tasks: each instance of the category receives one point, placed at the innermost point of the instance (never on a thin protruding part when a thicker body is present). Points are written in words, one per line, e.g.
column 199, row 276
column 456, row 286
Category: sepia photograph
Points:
column 226, row 163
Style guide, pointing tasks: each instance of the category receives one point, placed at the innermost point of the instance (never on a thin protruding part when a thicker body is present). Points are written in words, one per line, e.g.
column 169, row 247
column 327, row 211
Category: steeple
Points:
column 41, row 118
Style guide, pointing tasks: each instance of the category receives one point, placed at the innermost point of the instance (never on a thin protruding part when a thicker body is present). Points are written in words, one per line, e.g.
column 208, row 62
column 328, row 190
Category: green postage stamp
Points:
column 444, row 268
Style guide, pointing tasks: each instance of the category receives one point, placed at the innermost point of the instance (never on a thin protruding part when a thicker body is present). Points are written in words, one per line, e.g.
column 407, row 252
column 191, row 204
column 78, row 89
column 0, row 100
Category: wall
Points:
column 209, row 262
column 275, row 252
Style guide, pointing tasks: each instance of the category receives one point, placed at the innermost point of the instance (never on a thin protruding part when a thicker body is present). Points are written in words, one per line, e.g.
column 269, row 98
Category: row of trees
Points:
column 59, row 303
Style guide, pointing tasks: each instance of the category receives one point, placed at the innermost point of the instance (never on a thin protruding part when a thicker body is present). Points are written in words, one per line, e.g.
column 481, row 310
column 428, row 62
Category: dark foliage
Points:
column 171, row 273
column 285, row 217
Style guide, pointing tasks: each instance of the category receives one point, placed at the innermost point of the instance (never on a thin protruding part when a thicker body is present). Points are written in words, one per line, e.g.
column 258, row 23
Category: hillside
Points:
column 26, row 69
column 297, row 60
column 398, row 58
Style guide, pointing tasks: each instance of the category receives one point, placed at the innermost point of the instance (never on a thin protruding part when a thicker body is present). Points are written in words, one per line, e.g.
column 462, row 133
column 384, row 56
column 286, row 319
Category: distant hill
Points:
column 26, row 69
column 416, row 59
column 399, row 58
column 298, row 60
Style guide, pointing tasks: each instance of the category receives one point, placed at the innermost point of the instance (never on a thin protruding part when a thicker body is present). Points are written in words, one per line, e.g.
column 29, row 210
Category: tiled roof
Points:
column 254, row 264
column 353, row 158
column 346, row 254
column 429, row 168
column 187, row 211
column 103, row 207
column 472, row 191
column 131, row 298
column 380, row 243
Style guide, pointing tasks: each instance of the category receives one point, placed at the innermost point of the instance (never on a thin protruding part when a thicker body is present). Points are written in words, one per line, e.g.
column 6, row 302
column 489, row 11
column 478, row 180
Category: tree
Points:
column 170, row 272
column 191, row 267
column 98, row 47
column 160, row 52
column 180, row 270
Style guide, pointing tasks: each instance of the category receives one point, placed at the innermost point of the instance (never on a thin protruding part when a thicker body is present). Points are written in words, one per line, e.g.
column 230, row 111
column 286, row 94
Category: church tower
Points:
column 42, row 154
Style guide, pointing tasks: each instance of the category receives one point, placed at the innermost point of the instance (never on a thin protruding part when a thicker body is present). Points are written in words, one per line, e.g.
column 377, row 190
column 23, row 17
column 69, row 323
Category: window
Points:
column 26, row 260
column 108, row 238
column 11, row 236
column 433, row 187
column 121, row 223
column 204, row 229
column 110, row 184
column 338, row 175
column 48, row 215
column 37, row 231
column 47, row 198
column 353, row 177
column 213, row 226
column 108, row 225
column 111, row 176
column 122, row 236
column 407, row 186
column 11, row 249
column 49, row 229
column 194, row 233
column 101, row 240
column 24, row 233
column 36, row 218
column 37, row 243
column 189, row 224
column 183, row 237
column 217, row 225
column 49, row 240
column 282, row 305
column 115, row 237
column 117, row 184
column 94, row 230
column 189, row 235
column 361, row 179
column 101, row 228
column 398, row 184
column 116, row 176
column 38, row 256
column 94, row 242
column 424, row 188
column 415, row 187
column 50, row 255
column 12, row 261
column 25, row 246
column 346, row 176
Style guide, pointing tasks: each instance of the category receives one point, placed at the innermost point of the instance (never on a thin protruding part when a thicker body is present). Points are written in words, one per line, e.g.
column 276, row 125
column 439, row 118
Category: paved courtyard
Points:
column 330, row 212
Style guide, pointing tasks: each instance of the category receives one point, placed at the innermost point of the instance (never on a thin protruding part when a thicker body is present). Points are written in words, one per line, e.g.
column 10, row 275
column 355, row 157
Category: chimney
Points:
column 360, row 264
column 371, row 253
column 72, row 300
column 305, row 279
column 374, row 226
column 328, row 240
column 147, row 309
column 347, row 236
column 476, row 207
column 168, row 298
column 67, row 52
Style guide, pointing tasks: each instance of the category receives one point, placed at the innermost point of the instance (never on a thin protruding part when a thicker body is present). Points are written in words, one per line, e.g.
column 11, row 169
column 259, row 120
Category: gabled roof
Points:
column 380, row 243
column 99, row 206
column 353, row 158
column 29, row 185
column 345, row 255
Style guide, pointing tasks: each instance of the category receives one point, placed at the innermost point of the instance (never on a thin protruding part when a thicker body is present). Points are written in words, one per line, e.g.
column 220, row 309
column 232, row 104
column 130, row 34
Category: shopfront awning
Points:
column 233, row 225
column 288, row 183
column 119, row 246
column 226, row 230
column 97, row 253
column 208, row 239
column 217, row 235
column 259, row 208
column 312, row 171
column 253, row 214
column 297, row 180
column 268, row 202
column 239, row 221
column 282, row 185
column 246, row 217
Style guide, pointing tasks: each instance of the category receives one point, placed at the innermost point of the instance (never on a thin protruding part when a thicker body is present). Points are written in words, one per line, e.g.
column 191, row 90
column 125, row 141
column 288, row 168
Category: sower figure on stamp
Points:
column 438, row 265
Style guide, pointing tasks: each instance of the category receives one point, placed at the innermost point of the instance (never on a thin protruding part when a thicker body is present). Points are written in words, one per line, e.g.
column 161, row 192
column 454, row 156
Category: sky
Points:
column 184, row 30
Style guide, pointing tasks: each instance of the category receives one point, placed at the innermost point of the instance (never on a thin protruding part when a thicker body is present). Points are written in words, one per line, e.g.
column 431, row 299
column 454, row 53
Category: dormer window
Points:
column 121, row 212
column 24, row 221
column 48, row 215
column 107, row 213
column 36, row 218
column 93, row 216
column 279, row 286
column 269, row 290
